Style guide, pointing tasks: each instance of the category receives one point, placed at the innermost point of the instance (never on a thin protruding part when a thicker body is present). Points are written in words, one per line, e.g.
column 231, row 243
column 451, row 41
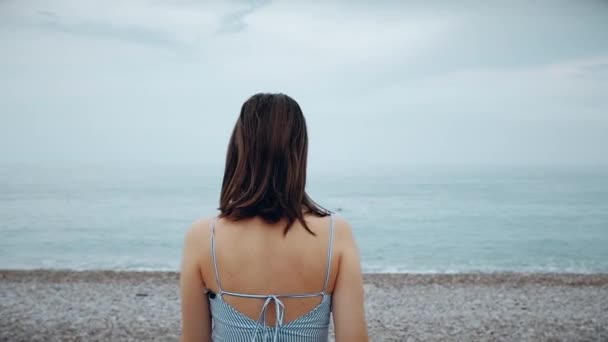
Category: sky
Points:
column 380, row 83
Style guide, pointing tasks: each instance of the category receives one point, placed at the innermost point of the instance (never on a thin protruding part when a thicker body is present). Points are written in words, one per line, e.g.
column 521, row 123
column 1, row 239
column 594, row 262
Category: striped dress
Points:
column 229, row 324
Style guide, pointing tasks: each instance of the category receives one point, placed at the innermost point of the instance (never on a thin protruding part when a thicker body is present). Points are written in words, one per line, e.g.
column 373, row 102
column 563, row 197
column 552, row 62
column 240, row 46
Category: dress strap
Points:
column 217, row 275
column 330, row 249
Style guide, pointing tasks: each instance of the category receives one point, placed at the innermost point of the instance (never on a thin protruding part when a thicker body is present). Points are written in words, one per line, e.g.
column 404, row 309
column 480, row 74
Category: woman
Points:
column 273, row 265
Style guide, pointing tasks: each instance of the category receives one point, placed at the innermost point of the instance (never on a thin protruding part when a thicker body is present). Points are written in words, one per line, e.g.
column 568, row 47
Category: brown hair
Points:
column 265, row 172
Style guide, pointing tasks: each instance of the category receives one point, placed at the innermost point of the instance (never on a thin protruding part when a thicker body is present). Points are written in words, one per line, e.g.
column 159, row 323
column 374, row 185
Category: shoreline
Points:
column 470, row 278
column 59, row 305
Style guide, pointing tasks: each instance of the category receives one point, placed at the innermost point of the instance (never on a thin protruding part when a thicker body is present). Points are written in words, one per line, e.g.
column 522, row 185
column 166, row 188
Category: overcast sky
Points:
column 382, row 82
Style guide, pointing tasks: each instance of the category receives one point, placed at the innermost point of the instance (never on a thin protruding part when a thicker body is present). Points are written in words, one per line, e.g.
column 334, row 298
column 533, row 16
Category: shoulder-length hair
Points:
column 265, row 172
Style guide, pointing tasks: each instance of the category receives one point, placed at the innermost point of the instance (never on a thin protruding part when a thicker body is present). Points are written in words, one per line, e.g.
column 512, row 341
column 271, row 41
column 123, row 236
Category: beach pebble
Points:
column 112, row 306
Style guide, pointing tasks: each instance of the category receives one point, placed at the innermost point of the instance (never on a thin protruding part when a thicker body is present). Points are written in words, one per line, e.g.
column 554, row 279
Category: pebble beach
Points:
column 43, row 305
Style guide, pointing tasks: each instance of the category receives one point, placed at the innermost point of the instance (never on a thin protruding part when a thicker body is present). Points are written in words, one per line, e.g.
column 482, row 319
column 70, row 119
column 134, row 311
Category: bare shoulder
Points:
column 199, row 231
column 343, row 234
column 197, row 241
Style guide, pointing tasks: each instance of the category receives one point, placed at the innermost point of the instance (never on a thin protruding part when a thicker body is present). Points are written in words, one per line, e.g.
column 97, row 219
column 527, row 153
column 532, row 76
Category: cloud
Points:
column 551, row 92
column 137, row 21
column 387, row 81
column 235, row 21
column 97, row 29
column 597, row 70
column 282, row 43
column 48, row 14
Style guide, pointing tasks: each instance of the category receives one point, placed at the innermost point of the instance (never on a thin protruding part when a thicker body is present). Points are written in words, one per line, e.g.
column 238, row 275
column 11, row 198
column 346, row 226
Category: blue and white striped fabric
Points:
column 231, row 325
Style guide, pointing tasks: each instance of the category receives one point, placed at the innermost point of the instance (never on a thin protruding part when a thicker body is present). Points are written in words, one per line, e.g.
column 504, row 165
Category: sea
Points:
column 406, row 219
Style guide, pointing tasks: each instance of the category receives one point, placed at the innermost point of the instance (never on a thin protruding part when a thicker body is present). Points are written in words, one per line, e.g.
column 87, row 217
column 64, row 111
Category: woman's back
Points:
column 267, row 294
column 254, row 257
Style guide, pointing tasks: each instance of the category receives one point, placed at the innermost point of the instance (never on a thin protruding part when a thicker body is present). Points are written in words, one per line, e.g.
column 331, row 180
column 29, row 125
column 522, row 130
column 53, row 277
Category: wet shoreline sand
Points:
column 43, row 305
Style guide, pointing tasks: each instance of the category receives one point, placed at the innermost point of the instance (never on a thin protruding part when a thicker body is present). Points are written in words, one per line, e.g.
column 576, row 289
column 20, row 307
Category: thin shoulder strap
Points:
column 330, row 249
column 217, row 275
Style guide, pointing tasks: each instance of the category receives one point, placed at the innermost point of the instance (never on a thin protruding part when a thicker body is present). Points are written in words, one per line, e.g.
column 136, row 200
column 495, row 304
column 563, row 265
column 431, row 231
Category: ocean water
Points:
column 406, row 219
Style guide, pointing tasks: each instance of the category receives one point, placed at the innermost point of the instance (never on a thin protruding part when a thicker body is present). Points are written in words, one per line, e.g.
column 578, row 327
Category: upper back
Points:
column 257, row 258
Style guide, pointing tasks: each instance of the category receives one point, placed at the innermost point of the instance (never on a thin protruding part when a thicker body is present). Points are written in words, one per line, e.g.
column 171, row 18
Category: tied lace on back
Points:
column 280, row 314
